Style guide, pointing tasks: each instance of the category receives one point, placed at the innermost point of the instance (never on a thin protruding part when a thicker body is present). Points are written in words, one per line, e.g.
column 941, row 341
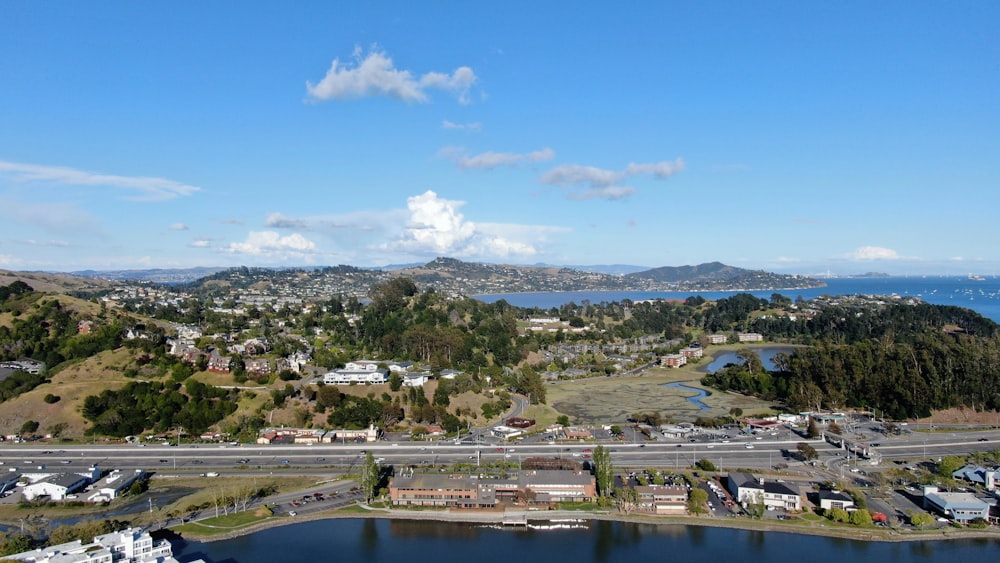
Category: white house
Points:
column 348, row 376
column 415, row 379
column 361, row 365
column 746, row 489
column 829, row 500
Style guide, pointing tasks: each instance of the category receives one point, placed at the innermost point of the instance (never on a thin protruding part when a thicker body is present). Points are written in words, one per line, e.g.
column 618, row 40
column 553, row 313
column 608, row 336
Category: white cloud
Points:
column 874, row 253
column 8, row 260
column 279, row 221
column 605, row 184
column 151, row 189
column 473, row 126
column 44, row 243
column 376, row 75
column 201, row 243
column 178, row 227
column 490, row 159
column 607, row 192
column 437, row 227
column 272, row 244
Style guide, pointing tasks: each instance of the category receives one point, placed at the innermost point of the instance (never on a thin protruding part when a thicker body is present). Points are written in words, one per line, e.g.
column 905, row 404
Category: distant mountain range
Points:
column 452, row 276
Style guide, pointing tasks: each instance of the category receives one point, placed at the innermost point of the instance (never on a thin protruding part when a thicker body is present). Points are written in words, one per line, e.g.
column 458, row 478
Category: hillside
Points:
column 72, row 385
column 715, row 275
column 67, row 284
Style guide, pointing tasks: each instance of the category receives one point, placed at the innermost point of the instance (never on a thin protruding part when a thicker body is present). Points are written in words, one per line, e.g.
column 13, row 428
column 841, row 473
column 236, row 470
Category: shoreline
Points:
column 497, row 518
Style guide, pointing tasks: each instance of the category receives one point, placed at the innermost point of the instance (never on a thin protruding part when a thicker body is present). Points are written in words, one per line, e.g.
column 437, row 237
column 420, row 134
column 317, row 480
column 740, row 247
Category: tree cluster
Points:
column 141, row 406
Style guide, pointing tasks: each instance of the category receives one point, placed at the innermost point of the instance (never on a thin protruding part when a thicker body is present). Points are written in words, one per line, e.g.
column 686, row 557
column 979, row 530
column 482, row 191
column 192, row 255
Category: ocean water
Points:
column 980, row 296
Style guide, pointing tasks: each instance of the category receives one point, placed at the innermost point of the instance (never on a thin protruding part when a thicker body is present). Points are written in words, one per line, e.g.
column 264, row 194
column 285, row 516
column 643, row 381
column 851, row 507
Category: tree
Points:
column 29, row 427
column 948, row 465
column 807, row 452
column 697, row 500
column 603, row 470
column 626, row 499
column 370, row 477
column 562, row 420
column 921, row 519
column 812, row 431
column 834, row 428
column 706, row 465
column 395, row 381
column 861, row 517
column 839, row 515
column 755, row 505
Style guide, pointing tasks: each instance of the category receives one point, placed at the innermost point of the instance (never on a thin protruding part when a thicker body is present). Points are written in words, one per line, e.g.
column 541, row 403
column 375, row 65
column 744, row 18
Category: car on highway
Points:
column 284, row 462
column 292, row 513
column 164, row 461
column 320, row 459
column 984, row 439
column 66, row 462
column 749, row 446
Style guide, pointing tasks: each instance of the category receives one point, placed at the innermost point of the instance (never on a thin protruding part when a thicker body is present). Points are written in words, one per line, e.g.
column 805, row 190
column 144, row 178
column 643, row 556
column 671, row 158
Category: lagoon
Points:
column 405, row 541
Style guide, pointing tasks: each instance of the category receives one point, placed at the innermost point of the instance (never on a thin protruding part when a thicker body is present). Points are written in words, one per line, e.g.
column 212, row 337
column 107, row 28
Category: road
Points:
column 338, row 458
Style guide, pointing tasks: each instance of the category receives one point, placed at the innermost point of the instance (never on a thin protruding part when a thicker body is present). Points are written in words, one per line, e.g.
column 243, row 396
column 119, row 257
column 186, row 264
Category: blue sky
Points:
column 787, row 136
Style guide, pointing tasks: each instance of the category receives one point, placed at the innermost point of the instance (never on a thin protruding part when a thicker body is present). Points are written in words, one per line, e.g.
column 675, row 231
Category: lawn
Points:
column 224, row 524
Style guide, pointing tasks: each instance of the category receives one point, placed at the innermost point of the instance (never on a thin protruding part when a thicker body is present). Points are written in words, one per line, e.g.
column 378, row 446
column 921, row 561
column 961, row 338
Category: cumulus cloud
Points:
column 437, row 227
column 272, row 244
column 590, row 182
column 376, row 75
column 490, row 159
column 874, row 253
column 178, row 227
column 473, row 126
column 149, row 188
column 279, row 221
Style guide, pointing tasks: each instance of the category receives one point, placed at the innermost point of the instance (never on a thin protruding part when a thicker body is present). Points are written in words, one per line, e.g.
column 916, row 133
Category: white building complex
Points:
column 128, row 546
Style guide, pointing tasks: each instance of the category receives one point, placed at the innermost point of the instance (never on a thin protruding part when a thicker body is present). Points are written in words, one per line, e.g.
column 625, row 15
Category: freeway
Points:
column 337, row 458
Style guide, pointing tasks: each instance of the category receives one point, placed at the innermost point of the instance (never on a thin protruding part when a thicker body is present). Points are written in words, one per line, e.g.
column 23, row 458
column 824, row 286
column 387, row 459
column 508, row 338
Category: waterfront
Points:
column 980, row 296
column 396, row 541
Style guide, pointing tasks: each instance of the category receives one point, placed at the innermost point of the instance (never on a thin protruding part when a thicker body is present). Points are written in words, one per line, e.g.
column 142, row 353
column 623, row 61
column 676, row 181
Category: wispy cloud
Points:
column 178, row 227
column 279, row 221
column 201, row 243
column 590, row 182
column 150, row 189
column 44, row 243
column 473, row 126
column 61, row 218
column 490, row 159
column 376, row 75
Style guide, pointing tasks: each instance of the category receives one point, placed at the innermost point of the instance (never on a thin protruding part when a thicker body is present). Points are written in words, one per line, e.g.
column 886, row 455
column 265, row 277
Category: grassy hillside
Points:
column 54, row 283
column 72, row 384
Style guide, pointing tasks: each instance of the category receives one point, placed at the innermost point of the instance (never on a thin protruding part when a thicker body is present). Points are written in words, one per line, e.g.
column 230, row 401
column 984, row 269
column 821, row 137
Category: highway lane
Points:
column 344, row 457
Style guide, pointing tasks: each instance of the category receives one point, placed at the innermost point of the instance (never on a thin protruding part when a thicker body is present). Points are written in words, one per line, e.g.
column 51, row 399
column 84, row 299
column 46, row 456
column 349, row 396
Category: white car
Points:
column 749, row 446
